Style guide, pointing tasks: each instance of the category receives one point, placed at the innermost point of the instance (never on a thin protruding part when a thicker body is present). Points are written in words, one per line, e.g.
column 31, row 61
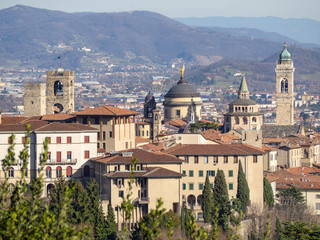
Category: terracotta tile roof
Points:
column 153, row 147
column 176, row 123
column 11, row 120
column 212, row 135
column 140, row 139
column 141, row 155
column 57, row 117
column 107, row 110
column 22, row 127
column 267, row 148
column 148, row 172
column 57, row 126
column 214, row 149
column 229, row 138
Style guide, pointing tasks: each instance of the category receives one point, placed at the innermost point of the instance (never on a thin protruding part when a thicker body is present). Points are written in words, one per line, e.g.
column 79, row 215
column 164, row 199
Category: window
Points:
column 127, row 145
column 230, row 173
column 186, row 158
column 58, row 172
column 178, row 113
column 69, row 171
column 245, row 120
column 98, row 145
column 86, row 154
column 69, row 156
column 96, row 120
column 196, row 159
column 200, row 173
column 48, row 139
column 184, row 186
column 147, row 133
column 200, row 186
column 317, row 196
column 58, row 139
column 58, row 156
column 236, row 119
column 98, row 136
column 86, row 171
column 235, row 159
column 49, row 157
column 85, row 120
column 48, row 172
column 190, row 186
column 104, row 135
column 86, row 139
column 23, row 140
column 215, row 160
column 254, row 119
column 68, row 139
column 211, row 173
column 211, row 185
column 104, row 146
column 110, row 134
column 230, row 186
column 255, row 158
column 190, row 173
column 142, row 133
column 127, row 167
column 225, row 159
column 11, row 172
column 184, row 172
column 205, row 159
column 121, row 193
column 317, row 206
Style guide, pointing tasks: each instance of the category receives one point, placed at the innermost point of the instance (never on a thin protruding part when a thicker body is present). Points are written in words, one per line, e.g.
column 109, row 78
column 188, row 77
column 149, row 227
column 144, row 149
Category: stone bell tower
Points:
column 284, row 89
column 60, row 91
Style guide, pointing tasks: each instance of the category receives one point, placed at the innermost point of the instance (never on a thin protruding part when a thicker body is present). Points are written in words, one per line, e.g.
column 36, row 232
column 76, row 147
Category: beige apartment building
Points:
column 116, row 126
column 157, row 175
column 69, row 150
column 202, row 159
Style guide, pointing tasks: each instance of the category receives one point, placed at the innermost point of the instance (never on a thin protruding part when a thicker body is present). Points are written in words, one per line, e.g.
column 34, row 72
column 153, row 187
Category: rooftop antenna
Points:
column 60, row 61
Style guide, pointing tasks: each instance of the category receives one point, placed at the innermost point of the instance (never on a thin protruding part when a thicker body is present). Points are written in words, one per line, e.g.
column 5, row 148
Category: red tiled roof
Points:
column 212, row 135
column 141, row 155
column 148, row 172
column 57, row 117
column 57, row 126
column 107, row 110
column 140, row 139
column 22, row 127
column 214, row 149
column 176, row 123
column 153, row 147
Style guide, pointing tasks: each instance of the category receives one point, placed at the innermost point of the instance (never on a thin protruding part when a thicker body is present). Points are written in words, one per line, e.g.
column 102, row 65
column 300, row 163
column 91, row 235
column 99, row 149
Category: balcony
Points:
column 72, row 161
column 144, row 200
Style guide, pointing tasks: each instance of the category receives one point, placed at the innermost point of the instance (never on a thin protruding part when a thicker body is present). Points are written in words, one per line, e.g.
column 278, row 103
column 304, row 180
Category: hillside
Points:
column 32, row 37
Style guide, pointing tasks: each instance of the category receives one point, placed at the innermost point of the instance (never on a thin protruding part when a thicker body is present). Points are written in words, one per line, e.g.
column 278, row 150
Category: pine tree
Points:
column 112, row 228
column 221, row 199
column 290, row 196
column 267, row 193
column 207, row 201
column 243, row 192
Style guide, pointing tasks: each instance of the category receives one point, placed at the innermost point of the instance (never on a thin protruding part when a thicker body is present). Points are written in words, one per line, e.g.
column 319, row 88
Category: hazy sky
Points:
column 185, row 8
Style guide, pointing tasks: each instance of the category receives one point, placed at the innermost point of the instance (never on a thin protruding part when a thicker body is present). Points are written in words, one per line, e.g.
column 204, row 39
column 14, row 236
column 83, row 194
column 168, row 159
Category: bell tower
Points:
column 60, row 91
column 284, row 89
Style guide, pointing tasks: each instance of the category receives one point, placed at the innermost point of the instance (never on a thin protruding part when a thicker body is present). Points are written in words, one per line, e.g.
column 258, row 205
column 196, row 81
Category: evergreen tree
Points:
column 243, row 192
column 267, row 193
column 221, row 199
column 112, row 227
column 207, row 201
column 290, row 196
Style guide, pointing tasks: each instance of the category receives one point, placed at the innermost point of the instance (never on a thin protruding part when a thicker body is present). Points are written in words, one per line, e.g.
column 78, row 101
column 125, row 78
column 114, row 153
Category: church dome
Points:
column 285, row 55
column 182, row 90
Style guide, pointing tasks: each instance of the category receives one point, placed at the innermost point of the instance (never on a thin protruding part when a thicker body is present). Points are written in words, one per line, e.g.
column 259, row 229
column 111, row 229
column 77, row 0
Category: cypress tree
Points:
column 112, row 227
column 207, row 201
column 221, row 199
column 243, row 191
column 267, row 193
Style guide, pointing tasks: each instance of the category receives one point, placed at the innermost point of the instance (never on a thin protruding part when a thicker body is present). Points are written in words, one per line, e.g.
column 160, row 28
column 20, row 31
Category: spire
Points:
column 285, row 55
column 243, row 90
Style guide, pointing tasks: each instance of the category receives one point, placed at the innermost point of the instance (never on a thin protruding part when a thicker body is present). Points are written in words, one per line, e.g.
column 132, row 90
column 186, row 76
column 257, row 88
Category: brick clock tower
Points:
column 284, row 89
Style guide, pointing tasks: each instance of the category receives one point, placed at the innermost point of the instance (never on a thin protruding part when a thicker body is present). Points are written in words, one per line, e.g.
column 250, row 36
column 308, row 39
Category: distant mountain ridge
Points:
column 302, row 30
column 35, row 37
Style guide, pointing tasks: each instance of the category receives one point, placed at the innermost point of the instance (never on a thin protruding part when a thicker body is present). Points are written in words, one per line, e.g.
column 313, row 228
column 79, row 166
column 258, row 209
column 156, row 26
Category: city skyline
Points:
column 187, row 8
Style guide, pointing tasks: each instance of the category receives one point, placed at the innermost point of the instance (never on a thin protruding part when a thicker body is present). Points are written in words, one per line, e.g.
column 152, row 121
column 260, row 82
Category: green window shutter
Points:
column 230, row 173
column 184, row 186
column 200, row 186
column 190, row 186
column 230, row 186
column 184, row 172
column 200, row 173
column 191, row 173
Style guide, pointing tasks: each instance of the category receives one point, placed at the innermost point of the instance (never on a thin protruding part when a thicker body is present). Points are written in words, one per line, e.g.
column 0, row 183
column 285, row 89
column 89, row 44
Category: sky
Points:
column 185, row 8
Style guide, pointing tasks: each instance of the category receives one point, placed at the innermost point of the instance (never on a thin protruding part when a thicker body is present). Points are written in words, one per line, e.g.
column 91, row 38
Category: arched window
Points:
column 242, row 109
column 284, row 85
column 11, row 172
column 254, row 119
column 191, row 200
column 245, row 120
column 58, row 88
column 48, row 172
column 58, row 172
column 69, row 171
column 236, row 119
column 246, row 109
column 156, row 117
column 86, row 171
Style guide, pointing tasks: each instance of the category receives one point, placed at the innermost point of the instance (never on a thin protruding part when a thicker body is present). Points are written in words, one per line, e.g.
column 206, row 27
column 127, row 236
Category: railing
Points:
column 144, row 200
column 61, row 162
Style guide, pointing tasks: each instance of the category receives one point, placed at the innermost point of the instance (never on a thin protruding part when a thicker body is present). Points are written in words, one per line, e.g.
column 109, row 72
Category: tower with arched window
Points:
column 284, row 89
column 60, row 91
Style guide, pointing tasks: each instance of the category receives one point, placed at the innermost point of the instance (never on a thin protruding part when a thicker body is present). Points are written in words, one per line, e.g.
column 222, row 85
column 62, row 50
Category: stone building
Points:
column 55, row 96
column 182, row 102
column 285, row 89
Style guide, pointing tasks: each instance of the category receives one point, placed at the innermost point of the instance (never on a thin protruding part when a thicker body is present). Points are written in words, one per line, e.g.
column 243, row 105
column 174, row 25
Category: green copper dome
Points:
column 285, row 55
